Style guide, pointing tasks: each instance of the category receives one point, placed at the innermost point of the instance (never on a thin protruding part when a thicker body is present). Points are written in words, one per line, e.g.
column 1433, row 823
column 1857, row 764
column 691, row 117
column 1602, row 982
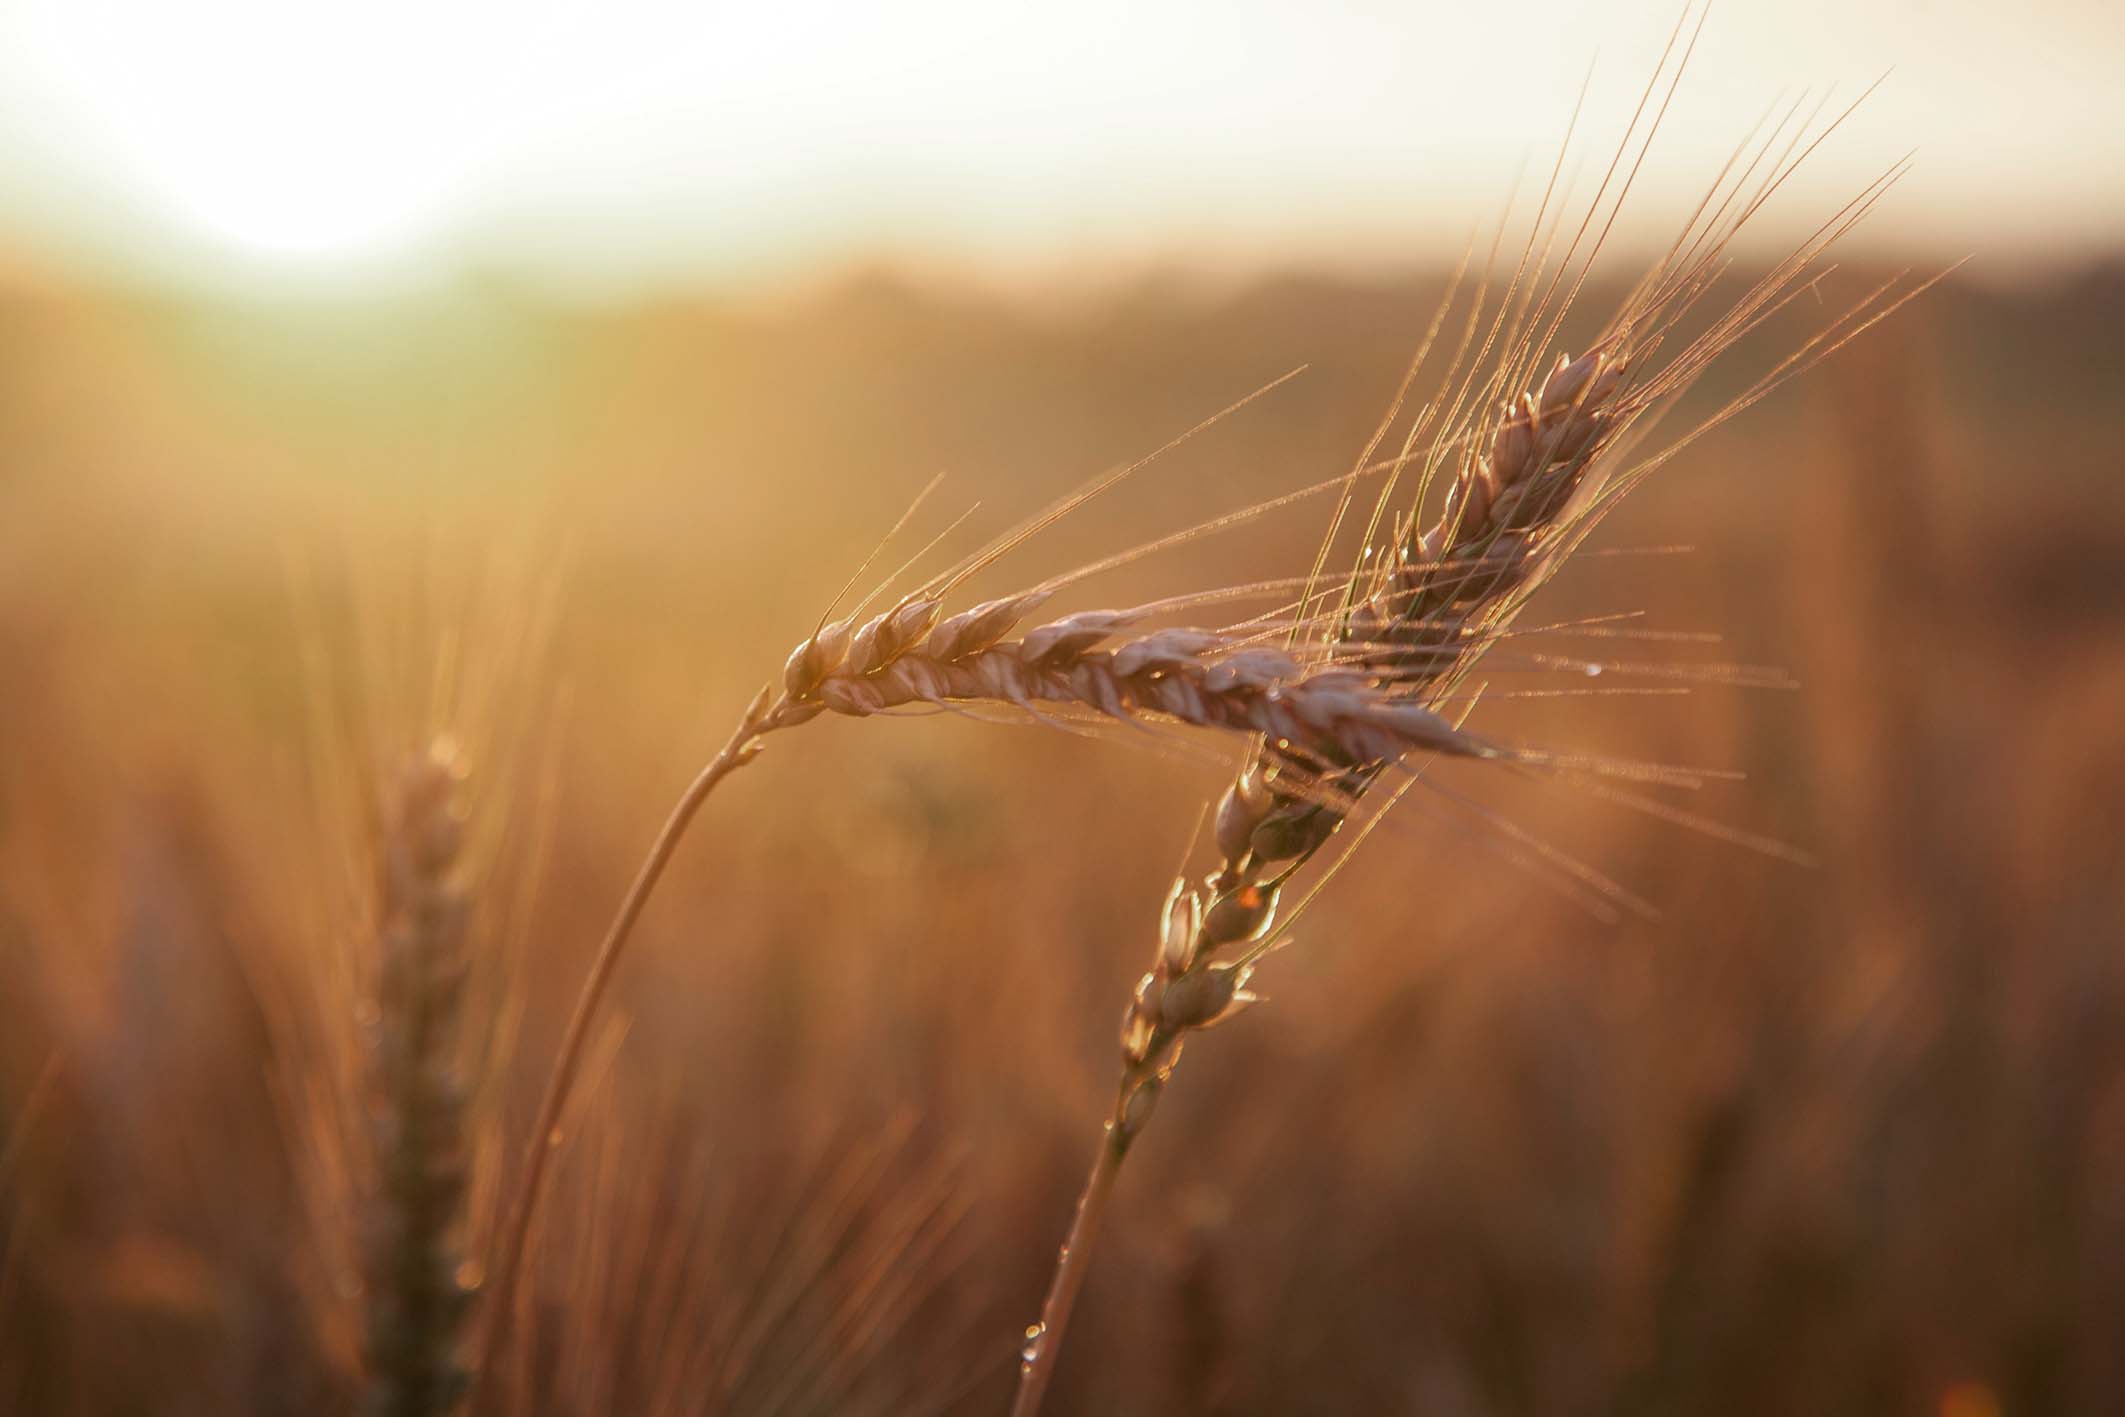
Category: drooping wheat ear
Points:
column 418, row 1301
column 1204, row 678
column 909, row 656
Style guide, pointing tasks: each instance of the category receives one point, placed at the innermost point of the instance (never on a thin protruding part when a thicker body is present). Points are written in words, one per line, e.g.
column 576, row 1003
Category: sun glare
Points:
column 290, row 129
column 609, row 137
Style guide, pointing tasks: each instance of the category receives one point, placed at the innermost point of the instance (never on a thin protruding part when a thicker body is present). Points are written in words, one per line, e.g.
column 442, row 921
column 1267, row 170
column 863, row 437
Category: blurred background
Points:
column 534, row 374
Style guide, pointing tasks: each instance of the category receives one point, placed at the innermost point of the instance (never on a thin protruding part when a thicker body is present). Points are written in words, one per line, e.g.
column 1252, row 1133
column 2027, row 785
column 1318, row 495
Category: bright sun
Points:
column 290, row 128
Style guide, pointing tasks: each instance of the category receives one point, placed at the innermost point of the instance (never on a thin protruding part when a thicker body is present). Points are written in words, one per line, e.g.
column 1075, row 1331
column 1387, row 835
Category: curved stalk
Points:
column 741, row 748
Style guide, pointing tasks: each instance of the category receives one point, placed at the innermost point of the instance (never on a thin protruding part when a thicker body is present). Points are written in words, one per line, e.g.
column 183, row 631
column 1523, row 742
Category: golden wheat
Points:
column 417, row 1302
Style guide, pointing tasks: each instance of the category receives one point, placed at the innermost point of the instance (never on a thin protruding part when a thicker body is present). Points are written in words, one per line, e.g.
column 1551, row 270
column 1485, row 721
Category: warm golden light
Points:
column 288, row 129
column 635, row 140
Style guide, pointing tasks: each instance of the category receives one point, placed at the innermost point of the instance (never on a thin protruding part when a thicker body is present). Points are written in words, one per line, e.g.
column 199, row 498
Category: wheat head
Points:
column 417, row 1300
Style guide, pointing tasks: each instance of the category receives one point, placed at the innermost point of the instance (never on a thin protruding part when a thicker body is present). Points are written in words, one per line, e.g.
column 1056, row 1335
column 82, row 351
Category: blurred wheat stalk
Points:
column 417, row 1298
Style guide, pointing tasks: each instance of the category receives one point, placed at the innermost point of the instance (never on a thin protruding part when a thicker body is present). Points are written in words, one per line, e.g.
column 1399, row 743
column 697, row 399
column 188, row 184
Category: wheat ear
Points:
column 1528, row 484
column 1407, row 630
column 417, row 1301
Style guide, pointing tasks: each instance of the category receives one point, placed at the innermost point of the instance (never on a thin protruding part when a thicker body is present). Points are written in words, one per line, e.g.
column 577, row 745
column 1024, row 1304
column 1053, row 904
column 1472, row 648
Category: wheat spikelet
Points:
column 1437, row 604
column 417, row 1301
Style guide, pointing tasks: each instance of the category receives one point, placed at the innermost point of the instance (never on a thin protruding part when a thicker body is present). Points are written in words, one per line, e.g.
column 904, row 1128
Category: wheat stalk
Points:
column 1414, row 625
column 1528, row 482
column 908, row 655
column 417, row 1300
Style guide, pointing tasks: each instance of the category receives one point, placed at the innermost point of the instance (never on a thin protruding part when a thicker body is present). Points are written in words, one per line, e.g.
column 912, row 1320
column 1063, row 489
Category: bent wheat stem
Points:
column 908, row 657
column 741, row 748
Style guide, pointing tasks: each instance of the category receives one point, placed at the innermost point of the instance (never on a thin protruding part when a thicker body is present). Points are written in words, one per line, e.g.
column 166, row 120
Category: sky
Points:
column 618, row 143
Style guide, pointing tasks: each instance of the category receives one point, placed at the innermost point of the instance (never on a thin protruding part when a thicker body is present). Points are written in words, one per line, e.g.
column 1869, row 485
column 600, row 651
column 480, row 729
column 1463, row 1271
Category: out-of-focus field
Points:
column 1847, row 1138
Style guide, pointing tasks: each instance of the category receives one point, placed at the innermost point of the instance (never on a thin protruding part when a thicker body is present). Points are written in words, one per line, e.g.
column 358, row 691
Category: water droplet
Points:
column 1593, row 671
column 1029, row 1352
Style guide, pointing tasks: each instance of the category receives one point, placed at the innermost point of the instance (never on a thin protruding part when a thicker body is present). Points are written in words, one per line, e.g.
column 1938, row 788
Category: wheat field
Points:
column 353, row 653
